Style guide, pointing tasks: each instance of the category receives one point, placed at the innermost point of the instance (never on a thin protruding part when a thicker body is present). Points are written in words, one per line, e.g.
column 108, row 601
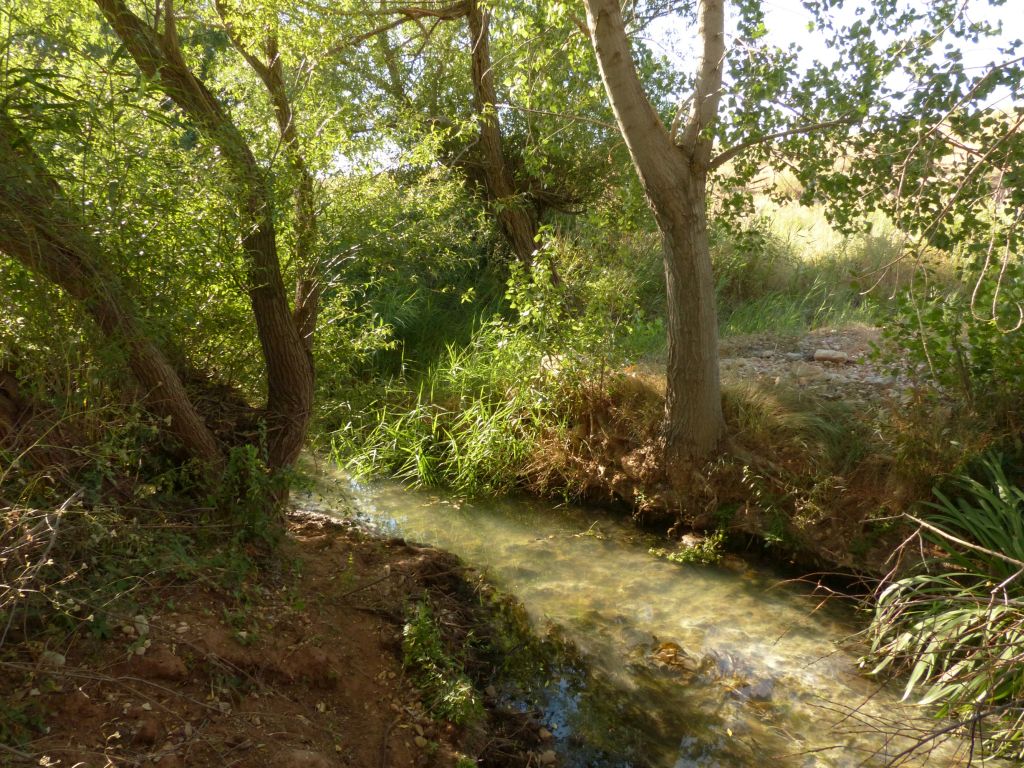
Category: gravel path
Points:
column 832, row 363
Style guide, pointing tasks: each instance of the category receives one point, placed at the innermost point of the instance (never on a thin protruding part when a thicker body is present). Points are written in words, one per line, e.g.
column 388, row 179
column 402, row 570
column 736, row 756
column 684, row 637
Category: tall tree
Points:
column 887, row 88
column 515, row 214
column 270, row 70
column 39, row 228
column 673, row 166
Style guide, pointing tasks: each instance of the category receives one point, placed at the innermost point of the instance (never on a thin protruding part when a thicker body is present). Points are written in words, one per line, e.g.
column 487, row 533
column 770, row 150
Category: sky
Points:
column 787, row 22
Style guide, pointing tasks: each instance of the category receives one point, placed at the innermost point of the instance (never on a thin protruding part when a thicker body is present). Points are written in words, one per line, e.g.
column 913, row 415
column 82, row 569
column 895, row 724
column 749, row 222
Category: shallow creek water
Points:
column 702, row 666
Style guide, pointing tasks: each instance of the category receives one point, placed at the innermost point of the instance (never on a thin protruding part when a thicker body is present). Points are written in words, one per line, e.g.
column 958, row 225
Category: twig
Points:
column 17, row 753
column 796, row 130
column 122, row 680
column 369, row 584
column 384, row 742
column 963, row 543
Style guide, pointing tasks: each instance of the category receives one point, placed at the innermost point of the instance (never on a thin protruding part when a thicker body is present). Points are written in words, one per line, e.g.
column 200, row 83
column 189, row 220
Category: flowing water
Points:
column 710, row 666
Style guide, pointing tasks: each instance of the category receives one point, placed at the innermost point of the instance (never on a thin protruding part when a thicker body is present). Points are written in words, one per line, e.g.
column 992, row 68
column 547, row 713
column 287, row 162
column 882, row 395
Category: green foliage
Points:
column 967, row 340
column 707, row 550
column 19, row 721
column 249, row 496
column 956, row 627
column 471, row 421
column 447, row 692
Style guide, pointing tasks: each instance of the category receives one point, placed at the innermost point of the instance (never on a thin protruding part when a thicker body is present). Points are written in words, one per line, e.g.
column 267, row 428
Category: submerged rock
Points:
column 763, row 690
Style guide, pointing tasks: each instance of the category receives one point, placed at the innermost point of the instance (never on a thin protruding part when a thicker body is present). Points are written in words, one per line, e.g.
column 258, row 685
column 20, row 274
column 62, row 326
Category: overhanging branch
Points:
column 742, row 147
column 404, row 15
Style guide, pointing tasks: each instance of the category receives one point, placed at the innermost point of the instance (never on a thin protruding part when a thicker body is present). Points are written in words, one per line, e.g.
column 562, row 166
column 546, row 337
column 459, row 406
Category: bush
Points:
column 968, row 341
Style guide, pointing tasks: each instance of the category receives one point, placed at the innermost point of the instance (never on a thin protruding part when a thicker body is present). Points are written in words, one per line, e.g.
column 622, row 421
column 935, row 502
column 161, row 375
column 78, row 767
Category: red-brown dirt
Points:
column 306, row 672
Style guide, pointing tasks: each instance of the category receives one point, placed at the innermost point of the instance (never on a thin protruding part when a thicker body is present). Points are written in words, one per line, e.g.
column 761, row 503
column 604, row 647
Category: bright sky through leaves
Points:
column 788, row 22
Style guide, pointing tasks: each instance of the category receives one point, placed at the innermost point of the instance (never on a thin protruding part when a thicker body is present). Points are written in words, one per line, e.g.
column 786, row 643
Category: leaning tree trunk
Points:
column 39, row 229
column 518, row 220
column 674, row 177
column 289, row 366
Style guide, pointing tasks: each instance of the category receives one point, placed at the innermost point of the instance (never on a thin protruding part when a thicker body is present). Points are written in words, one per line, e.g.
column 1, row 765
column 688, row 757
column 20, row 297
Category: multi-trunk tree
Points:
column 47, row 233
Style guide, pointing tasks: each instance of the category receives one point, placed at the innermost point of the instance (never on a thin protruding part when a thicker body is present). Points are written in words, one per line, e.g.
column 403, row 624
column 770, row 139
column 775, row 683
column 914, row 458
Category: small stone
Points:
column 421, row 742
column 830, row 356
column 807, row 372
column 141, row 625
column 795, row 356
column 548, row 757
column 51, row 659
column 491, row 691
column 182, row 628
column 149, row 732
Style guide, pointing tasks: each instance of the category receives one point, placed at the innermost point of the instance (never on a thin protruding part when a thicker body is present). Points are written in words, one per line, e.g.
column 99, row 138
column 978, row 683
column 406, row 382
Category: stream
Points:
column 686, row 665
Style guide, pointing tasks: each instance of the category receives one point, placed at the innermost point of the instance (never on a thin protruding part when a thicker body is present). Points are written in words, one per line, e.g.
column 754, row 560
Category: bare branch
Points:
column 562, row 115
column 405, row 15
column 963, row 543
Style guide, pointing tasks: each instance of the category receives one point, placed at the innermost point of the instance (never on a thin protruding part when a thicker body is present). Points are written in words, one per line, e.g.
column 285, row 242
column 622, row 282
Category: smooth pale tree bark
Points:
column 289, row 366
column 516, row 216
column 42, row 231
column 673, row 168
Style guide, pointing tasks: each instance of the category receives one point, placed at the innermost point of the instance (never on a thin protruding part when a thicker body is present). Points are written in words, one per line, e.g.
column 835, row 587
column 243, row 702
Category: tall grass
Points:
column 472, row 418
column 956, row 627
column 469, row 423
column 788, row 271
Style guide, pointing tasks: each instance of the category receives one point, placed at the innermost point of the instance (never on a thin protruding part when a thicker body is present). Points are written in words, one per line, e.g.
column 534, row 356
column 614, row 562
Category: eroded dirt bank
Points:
column 826, row 450
column 300, row 668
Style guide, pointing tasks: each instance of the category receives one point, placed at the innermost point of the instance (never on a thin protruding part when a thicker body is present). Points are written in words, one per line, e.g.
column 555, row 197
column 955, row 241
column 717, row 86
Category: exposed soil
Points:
column 305, row 672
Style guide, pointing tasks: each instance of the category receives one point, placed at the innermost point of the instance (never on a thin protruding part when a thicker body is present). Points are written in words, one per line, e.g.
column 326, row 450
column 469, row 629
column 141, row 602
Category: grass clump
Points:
column 787, row 271
column 955, row 626
column 472, row 419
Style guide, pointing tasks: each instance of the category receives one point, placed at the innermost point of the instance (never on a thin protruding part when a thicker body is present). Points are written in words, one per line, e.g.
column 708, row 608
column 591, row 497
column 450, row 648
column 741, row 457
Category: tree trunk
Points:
column 289, row 366
column 307, row 284
column 39, row 229
column 517, row 218
column 674, row 179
